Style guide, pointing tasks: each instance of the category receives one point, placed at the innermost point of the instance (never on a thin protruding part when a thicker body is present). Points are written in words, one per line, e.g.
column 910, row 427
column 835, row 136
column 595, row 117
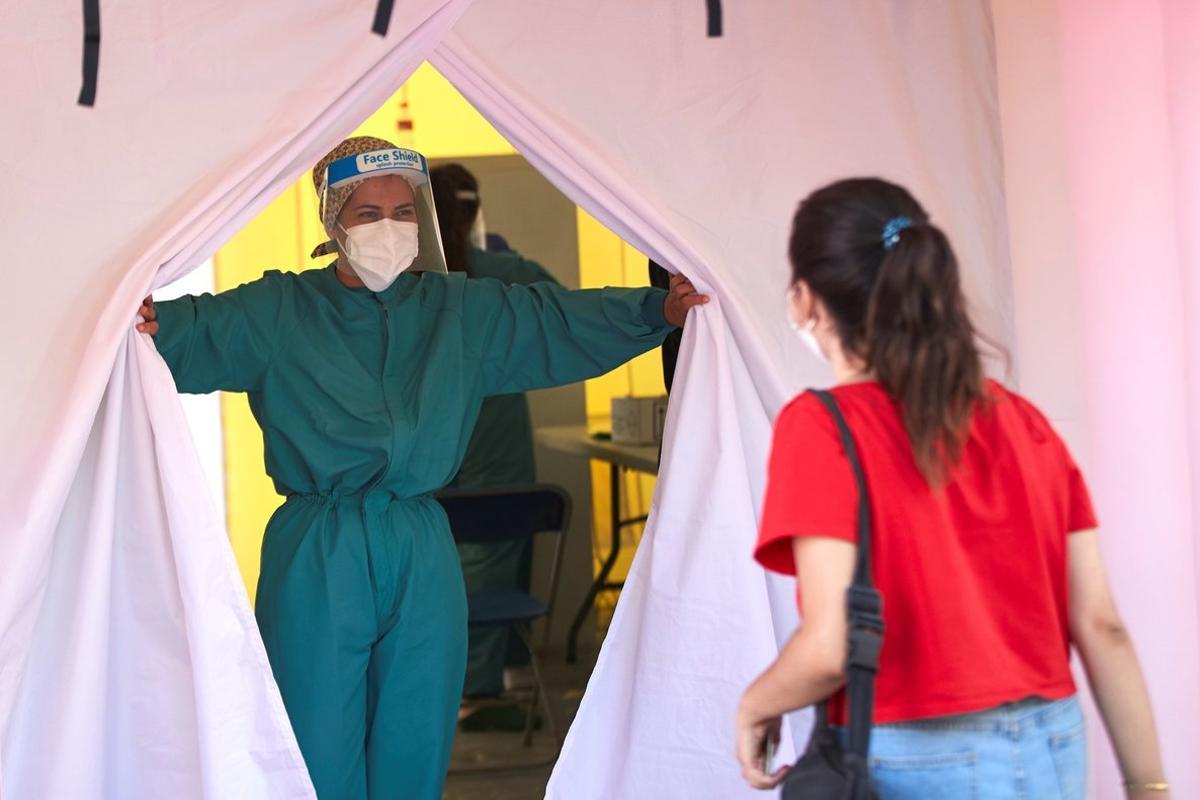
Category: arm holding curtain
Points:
column 543, row 335
column 219, row 342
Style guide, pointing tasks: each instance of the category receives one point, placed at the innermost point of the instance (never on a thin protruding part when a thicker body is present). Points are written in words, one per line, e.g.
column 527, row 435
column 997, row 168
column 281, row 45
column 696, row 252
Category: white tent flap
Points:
column 696, row 150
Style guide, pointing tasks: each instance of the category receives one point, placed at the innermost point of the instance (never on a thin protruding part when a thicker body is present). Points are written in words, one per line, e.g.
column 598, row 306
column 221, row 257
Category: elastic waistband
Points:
column 374, row 497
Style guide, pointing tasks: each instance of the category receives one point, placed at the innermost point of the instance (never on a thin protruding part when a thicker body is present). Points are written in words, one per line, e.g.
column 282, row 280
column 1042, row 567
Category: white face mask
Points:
column 379, row 251
column 810, row 339
column 806, row 332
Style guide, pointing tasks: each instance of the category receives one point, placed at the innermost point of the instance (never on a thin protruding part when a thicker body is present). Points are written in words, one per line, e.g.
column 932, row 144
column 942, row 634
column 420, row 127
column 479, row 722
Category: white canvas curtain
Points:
column 130, row 664
column 701, row 166
column 121, row 612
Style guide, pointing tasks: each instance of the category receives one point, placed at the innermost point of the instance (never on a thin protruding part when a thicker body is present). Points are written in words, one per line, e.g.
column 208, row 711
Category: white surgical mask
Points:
column 379, row 251
column 806, row 332
column 810, row 339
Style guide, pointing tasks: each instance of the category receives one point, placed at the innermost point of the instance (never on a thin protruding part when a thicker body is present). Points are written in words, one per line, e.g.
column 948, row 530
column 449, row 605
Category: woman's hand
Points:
column 680, row 299
column 752, row 736
column 148, row 315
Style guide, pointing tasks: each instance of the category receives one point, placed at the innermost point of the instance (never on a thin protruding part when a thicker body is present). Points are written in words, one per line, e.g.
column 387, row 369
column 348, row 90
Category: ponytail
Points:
column 920, row 343
column 890, row 281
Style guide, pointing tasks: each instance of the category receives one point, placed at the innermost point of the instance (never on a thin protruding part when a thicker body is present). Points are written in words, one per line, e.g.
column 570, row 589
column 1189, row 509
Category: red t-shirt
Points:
column 973, row 575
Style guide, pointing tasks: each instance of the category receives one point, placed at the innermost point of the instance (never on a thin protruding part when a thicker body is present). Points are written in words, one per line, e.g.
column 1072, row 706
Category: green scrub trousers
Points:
column 500, row 453
column 366, row 402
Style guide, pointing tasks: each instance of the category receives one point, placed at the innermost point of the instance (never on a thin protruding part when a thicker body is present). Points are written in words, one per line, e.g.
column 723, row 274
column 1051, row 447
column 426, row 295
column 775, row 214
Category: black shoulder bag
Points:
column 828, row 771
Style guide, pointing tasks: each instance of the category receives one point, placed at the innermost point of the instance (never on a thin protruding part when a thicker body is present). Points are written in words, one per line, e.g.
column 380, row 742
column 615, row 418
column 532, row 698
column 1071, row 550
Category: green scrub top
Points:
column 358, row 391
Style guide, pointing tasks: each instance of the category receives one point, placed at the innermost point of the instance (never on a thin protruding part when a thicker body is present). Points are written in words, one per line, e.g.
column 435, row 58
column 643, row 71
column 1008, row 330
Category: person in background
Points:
column 660, row 278
column 499, row 453
column 984, row 544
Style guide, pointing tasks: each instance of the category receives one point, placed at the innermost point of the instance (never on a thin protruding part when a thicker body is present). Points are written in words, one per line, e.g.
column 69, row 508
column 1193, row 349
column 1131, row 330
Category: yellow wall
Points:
column 275, row 239
column 606, row 260
column 429, row 115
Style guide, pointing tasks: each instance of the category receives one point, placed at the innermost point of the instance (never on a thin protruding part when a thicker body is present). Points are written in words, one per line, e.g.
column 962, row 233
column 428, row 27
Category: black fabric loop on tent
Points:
column 714, row 18
column 91, row 51
column 383, row 17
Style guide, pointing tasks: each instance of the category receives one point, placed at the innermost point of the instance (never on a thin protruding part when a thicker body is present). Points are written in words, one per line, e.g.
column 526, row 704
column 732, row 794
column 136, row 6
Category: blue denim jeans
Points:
column 1033, row 749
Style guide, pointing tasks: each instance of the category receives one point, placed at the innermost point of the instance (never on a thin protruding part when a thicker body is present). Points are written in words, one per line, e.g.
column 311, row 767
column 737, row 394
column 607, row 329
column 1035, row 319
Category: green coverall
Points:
column 366, row 402
column 500, row 453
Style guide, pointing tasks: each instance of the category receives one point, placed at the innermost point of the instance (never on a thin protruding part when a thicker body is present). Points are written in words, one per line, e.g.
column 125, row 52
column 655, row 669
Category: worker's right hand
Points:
column 680, row 300
column 148, row 316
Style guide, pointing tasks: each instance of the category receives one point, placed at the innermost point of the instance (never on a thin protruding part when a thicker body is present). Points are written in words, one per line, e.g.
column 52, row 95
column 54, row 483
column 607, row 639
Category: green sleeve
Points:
column 531, row 337
column 509, row 267
column 223, row 341
column 536, row 273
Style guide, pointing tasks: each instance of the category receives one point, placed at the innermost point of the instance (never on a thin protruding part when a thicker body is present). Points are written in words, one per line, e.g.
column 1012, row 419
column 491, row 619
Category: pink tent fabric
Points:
column 1100, row 115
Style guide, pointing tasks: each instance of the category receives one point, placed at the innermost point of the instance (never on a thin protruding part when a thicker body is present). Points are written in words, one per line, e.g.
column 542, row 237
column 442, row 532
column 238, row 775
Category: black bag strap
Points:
column 864, row 614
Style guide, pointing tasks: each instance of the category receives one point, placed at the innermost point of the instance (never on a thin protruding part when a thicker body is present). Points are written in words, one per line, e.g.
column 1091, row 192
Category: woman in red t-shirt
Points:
column 983, row 546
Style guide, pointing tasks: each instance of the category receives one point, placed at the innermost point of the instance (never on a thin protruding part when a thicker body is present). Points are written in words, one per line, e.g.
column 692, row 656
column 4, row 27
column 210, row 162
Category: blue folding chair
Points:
column 506, row 514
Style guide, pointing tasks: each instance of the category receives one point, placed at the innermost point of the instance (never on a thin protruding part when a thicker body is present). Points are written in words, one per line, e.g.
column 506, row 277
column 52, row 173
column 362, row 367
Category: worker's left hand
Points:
column 680, row 299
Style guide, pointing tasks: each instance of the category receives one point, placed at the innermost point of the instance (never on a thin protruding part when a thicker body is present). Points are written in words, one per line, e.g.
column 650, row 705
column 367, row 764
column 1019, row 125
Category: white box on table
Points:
column 638, row 420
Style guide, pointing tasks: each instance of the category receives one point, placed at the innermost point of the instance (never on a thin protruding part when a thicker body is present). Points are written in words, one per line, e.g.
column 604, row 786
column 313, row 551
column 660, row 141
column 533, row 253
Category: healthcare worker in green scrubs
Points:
column 366, row 377
column 499, row 453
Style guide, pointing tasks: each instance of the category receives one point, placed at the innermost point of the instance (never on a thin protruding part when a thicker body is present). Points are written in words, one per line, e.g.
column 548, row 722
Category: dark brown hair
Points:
column 898, row 308
column 454, row 213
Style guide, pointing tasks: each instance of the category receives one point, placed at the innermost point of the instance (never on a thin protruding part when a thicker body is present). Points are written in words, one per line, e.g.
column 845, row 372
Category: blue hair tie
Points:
column 891, row 231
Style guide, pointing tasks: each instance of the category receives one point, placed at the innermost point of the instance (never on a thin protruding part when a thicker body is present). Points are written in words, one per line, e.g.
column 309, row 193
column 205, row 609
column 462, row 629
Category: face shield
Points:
column 346, row 174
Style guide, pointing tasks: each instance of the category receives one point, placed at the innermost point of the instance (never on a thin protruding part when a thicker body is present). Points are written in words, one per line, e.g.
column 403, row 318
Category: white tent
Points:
column 1056, row 143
